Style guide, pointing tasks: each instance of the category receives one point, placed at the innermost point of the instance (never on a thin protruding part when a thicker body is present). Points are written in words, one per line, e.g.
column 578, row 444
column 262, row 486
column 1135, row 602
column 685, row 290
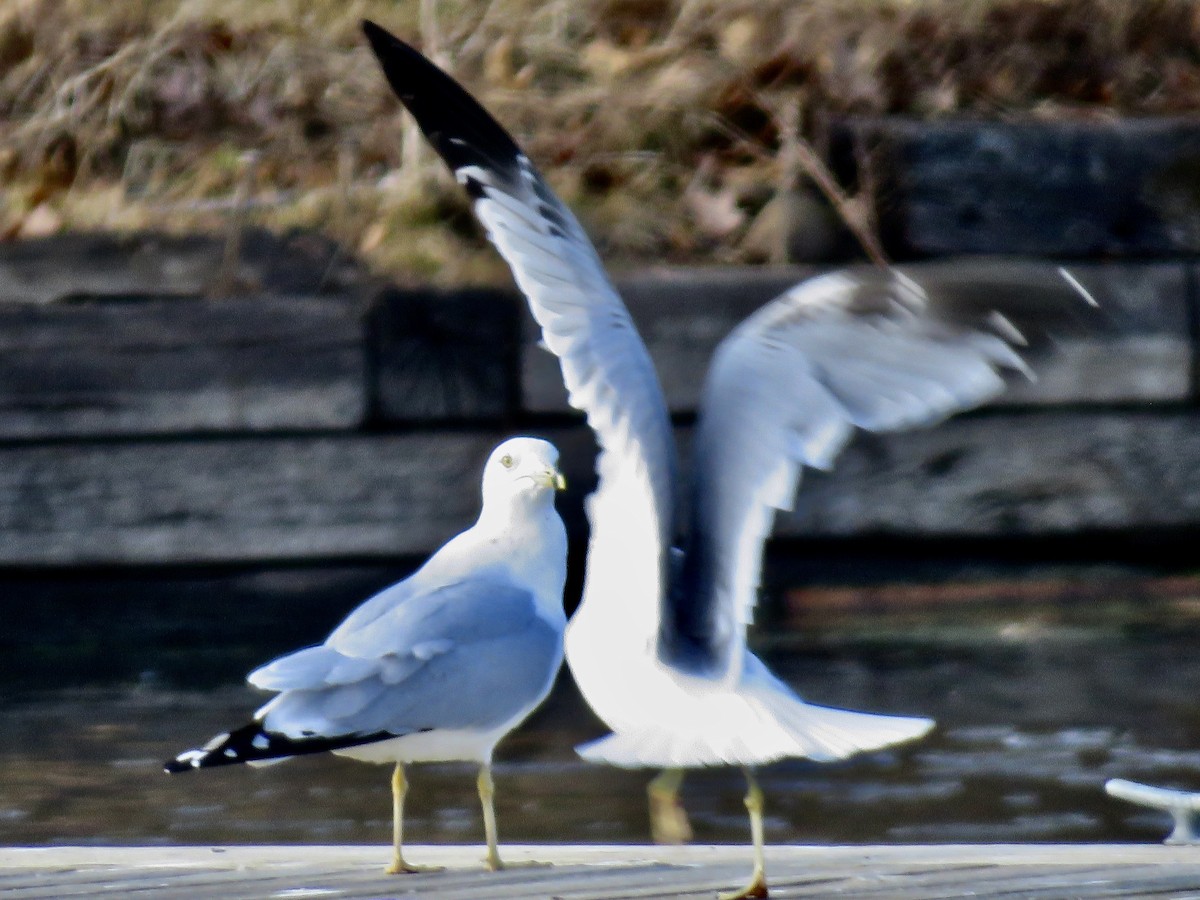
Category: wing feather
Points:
column 606, row 368
column 786, row 390
column 426, row 660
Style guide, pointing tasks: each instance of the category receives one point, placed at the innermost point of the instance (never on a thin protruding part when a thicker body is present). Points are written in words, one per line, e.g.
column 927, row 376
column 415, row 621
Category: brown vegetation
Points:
column 670, row 125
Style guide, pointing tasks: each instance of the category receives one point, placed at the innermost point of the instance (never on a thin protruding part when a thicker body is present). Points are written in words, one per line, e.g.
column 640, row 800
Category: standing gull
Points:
column 658, row 646
column 438, row 667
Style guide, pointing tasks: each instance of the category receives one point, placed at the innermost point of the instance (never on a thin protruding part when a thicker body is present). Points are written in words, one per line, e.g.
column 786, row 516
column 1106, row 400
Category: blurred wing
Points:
column 605, row 366
column 785, row 390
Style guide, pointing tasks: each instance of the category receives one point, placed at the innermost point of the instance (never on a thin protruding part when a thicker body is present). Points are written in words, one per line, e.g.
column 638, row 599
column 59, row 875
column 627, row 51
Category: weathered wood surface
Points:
column 1072, row 188
column 142, row 427
column 359, row 495
column 237, row 499
column 110, row 335
column 596, row 872
column 101, row 366
column 681, row 314
column 1160, row 596
column 168, row 365
column 44, row 270
column 1138, row 348
column 102, row 336
column 446, row 355
column 1011, row 474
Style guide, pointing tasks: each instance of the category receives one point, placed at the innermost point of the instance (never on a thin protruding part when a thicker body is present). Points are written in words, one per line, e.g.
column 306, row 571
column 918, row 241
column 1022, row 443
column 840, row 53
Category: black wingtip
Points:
column 459, row 128
column 379, row 37
column 251, row 743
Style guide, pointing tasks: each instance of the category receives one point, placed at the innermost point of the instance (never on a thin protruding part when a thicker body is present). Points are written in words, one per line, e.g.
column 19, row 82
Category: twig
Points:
column 469, row 45
column 868, row 194
column 431, row 38
column 226, row 282
column 795, row 151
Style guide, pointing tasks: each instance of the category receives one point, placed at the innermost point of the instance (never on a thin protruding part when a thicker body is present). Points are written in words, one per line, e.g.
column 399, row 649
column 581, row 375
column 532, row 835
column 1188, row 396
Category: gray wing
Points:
column 468, row 655
column 605, row 365
column 785, row 390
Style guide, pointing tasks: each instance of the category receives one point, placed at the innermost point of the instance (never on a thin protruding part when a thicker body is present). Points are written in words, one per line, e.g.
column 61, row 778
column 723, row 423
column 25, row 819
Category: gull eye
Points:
column 507, row 461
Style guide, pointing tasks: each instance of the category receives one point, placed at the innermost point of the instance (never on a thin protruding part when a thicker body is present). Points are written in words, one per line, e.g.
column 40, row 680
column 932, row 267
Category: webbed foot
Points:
column 400, row 867
column 756, row 888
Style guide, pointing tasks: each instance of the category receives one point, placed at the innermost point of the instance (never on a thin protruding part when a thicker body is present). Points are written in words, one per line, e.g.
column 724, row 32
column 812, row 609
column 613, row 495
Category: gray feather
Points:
column 471, row 654
column 786, row 390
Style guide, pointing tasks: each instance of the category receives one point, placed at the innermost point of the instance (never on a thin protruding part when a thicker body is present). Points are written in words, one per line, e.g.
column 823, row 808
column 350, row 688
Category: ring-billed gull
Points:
column 439, row 666
column 658, row 645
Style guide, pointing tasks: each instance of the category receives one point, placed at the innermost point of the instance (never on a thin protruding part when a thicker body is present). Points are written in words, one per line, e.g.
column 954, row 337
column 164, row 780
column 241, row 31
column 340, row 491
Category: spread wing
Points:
column 605, row 365
column 787, row 388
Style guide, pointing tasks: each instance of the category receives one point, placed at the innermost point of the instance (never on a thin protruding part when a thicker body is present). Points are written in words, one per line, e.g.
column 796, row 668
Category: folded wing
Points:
column 469, row 654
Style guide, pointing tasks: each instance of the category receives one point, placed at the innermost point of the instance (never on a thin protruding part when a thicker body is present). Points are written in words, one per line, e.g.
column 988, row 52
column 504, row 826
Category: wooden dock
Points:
column 594, row 872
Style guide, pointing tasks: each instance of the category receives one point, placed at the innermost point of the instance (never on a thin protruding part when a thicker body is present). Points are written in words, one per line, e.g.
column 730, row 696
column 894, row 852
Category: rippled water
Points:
column 1032, row 720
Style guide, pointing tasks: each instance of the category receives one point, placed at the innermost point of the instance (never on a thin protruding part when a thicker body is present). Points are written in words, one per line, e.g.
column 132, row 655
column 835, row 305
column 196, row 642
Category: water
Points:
column 1033, row 718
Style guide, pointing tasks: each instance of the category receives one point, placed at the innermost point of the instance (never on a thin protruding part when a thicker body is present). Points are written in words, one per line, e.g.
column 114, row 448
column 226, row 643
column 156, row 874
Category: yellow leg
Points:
column 757, row 887
column 487, row 799
column 399, row 866
column 668, row 820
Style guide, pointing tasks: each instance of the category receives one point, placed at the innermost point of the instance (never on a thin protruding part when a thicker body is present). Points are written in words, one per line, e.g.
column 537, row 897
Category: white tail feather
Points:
column 779, row 726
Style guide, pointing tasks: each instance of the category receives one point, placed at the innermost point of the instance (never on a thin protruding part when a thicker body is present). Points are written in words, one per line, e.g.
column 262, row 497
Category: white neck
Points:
column 525, row 536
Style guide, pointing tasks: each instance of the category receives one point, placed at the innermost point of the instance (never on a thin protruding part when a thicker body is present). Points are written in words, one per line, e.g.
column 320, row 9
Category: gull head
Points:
column 522, row 469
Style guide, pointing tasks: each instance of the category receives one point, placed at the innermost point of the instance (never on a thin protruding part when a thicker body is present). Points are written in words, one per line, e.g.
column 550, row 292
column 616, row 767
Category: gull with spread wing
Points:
column 658, row 645
column 438, row 667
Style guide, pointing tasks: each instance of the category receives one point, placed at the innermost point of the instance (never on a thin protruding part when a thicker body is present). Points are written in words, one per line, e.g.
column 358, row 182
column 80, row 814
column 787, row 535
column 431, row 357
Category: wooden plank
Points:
column 517, row 883
column 357, row 495
column 988, row 881
column 121, row 366
column 446, row 355
column 199, row 883
column 584, row 872
column 990, row 475
column 1055, row 187
column 1138, row 348
column 827, row 603
column 682, row 314
column 44, row 270
column 237, row 499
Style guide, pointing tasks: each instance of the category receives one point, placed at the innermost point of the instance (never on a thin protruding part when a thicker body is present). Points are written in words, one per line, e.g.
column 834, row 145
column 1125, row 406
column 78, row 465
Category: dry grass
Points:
column 658, row 120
